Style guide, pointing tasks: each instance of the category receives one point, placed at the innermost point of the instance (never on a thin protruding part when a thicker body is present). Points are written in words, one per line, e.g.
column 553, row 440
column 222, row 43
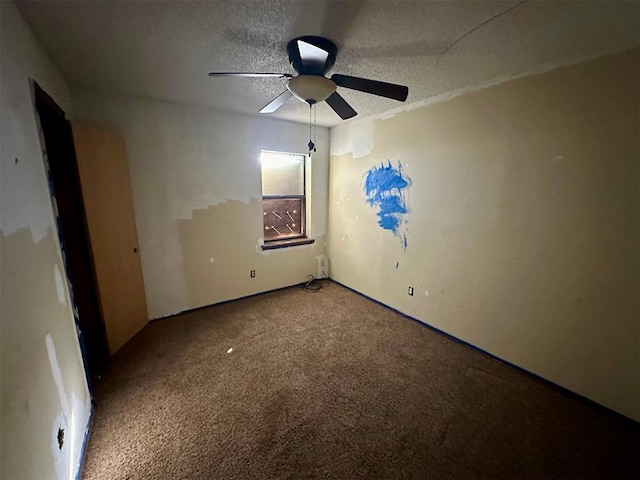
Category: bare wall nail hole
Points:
column 60, row 438
column 16, row 160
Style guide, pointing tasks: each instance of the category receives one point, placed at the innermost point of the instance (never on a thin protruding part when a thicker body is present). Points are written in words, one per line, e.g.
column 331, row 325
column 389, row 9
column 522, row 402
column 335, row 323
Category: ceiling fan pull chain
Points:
column 315, row 126
column 311, row 145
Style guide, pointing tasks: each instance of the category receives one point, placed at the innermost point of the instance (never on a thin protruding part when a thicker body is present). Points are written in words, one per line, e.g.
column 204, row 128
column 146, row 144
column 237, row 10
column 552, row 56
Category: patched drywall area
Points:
column 185, row 158
column 522, row 222
column 217, row 267
column 22, row 58
column 44, row 399
column 45, row 403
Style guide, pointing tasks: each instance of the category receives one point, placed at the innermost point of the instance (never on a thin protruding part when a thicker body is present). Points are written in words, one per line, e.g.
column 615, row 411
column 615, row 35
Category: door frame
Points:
column 64, row 184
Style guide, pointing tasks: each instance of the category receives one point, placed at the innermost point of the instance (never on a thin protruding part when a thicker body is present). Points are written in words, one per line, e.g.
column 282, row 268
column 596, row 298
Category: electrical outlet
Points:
column 252, row 274
column 411, row 291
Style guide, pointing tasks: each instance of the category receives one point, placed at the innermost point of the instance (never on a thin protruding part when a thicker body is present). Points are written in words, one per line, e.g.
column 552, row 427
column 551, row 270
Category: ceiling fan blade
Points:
column 383, row 89
column 312, row 56
column 250, row 74
column 340, row 106
column 276, row 103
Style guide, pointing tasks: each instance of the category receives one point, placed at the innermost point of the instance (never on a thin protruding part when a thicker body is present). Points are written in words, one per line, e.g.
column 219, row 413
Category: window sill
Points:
column 287, row 243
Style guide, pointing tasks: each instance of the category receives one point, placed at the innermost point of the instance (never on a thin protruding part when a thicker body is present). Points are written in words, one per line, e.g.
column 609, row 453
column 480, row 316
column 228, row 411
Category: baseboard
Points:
column 85, row 442
column 224, row 302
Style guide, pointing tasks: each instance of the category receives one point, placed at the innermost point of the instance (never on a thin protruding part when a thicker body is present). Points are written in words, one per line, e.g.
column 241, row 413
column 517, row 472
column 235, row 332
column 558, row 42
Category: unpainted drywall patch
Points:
column 258, row 247
column 59, row 451
column 322, row 266
column 26, row 175
column 355, row 138
column 56, row 372
column 70, row 426
column 78, row 429
column 62, row 297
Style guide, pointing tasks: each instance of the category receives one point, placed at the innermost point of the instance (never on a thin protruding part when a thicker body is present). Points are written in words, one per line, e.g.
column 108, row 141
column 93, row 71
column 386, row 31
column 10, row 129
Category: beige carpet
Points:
column 332, row 385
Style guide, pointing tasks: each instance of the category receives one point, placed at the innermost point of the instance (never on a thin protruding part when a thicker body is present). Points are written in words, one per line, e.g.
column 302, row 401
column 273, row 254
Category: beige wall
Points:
column 43, row 385
column 195, row 177
column 523, row 231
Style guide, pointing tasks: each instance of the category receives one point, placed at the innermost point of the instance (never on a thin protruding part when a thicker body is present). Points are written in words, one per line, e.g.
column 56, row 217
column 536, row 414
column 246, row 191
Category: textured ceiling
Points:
column 165, row 49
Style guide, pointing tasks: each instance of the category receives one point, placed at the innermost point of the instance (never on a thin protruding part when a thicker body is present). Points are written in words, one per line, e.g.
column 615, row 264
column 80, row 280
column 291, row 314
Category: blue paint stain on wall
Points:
column 385, row 188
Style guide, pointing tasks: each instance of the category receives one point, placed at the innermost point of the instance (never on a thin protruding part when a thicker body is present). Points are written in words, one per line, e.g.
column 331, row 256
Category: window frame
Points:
column 302, row 238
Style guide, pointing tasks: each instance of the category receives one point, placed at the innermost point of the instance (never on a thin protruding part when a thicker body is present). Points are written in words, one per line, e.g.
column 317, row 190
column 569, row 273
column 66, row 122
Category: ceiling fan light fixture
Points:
column 311, row 88
column 312, row 57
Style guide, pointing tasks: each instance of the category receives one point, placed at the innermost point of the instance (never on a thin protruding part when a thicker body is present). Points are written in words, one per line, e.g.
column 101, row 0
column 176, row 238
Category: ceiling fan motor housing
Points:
column 312, row 65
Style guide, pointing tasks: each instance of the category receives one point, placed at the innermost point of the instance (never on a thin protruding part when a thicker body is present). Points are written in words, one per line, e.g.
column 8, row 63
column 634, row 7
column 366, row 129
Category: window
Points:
column 283, row 199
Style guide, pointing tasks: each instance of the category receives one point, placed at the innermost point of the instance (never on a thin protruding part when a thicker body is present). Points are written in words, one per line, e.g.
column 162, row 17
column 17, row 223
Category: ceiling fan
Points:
column 312, row 57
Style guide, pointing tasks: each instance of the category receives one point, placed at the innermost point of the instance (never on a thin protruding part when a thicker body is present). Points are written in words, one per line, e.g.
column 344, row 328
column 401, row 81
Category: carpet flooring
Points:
column 295, row 384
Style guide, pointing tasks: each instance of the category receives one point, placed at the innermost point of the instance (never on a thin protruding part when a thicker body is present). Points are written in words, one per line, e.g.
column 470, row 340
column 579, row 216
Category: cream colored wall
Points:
column 523, row 231
column 195, row 177
column 42, row 380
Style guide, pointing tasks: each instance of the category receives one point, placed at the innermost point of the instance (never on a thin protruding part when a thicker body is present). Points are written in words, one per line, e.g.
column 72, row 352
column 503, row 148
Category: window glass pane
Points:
column 282, row 173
